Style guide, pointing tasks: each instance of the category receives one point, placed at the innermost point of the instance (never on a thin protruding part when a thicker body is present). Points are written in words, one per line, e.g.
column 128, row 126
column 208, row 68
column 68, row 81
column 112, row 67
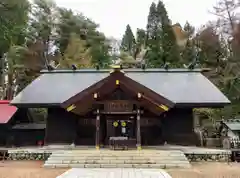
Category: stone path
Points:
column 114, row 173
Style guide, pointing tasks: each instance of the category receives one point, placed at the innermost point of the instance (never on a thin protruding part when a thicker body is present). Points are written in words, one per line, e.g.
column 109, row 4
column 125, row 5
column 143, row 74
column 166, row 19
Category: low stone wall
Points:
column 24, row 155
column 208, row 157
column 44, row 155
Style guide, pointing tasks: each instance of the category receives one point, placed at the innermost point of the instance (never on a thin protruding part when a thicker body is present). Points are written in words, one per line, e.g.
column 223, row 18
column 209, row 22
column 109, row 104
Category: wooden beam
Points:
column 97, row 130
column 71, row 107
column 85, row 92
column 143, row 102
column 160, row 106
column 86, row 101
column 150, row 107
column 119, row 113
column 138, row 130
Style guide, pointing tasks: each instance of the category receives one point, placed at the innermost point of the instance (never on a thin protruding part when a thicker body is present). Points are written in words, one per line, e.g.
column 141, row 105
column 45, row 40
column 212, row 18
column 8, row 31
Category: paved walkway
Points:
column 114, row 173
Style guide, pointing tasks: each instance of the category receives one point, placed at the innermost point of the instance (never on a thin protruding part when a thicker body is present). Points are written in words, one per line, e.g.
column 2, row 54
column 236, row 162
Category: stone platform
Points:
column 167, row 156
column 190, row 149
column 184, row 149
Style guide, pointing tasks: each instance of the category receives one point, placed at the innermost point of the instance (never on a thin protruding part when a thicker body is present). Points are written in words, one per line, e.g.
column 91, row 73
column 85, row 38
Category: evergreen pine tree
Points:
column 153, row 38
column 128, row 41
column 141, row 36
column 189, row 52
column 151, row 23
column 169, row 45
column 140, row 42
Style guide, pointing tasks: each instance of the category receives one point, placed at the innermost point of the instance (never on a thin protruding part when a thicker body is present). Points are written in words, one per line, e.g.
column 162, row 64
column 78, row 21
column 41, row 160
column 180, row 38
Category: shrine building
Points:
column 90, row 106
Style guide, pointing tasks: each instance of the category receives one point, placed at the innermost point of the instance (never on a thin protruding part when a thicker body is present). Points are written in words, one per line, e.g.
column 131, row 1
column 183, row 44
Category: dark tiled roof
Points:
column 178, row 85
column 55, row 88
column 181, row 87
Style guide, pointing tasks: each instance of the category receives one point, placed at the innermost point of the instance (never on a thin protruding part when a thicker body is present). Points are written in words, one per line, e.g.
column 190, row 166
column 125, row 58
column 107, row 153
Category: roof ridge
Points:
column 151, row 70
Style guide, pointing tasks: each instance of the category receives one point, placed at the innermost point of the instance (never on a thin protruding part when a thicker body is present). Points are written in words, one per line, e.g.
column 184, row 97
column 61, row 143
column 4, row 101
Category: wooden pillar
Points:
column 97, row 142
column 138, row 130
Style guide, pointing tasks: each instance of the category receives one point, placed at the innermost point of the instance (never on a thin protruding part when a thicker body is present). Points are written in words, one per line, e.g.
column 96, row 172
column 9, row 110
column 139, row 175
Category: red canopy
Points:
column 6, row 111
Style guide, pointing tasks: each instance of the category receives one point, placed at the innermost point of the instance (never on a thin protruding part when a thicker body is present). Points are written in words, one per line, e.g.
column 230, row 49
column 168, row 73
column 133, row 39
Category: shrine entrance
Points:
column 118, row 105
column 118, row 120
column 118, row 126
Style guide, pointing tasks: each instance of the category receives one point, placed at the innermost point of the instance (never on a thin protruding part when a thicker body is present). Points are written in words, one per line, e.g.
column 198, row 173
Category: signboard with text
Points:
column 118, row 106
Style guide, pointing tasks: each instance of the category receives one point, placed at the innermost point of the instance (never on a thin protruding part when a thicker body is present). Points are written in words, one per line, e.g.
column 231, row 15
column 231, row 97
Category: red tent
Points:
column 6, row 111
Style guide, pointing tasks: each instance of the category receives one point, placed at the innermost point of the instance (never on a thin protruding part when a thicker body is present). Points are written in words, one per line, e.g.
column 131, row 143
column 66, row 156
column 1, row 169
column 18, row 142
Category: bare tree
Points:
column 226, row 10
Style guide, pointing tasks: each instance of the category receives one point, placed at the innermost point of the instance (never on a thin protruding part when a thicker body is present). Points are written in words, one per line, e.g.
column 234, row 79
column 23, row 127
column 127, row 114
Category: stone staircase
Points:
column 117, row 159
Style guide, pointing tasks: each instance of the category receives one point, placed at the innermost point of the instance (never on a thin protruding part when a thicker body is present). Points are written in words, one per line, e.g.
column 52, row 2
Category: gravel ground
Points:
column 27, row 169
column 208, row 170
column 30, row 169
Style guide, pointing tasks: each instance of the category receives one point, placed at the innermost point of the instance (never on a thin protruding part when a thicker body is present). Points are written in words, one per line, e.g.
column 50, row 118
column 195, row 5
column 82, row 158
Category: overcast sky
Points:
column 114, row 15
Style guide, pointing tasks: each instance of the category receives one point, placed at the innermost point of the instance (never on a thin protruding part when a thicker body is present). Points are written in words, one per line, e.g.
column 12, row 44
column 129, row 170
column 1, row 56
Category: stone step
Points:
column 117, row 158
column 119, row 153
column 154, row 166
column 115, row 151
